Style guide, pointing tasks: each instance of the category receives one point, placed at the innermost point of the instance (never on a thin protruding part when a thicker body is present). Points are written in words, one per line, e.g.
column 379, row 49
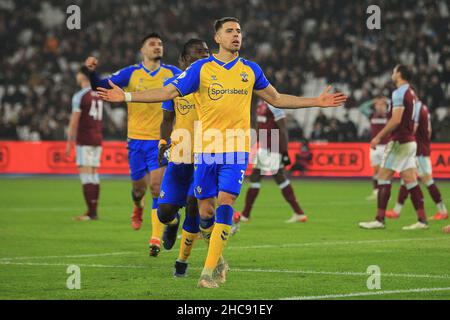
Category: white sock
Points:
column 442, row 208
column 398, row 208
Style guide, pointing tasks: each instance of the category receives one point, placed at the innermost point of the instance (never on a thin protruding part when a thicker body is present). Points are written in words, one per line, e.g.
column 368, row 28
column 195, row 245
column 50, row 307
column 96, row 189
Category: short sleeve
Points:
column 397, row 98
column 76, row 102
column 189, row 81
column 417, row 111
column 168, row 105
column 172, row 68
column 122, row 77
column 261, row 81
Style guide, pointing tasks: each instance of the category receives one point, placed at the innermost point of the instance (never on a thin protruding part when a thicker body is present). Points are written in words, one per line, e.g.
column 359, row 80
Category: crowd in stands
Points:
column 299, row 44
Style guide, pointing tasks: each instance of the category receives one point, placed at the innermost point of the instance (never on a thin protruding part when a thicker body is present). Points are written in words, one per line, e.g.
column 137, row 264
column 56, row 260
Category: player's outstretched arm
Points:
column 286, row 101
column 116, row 94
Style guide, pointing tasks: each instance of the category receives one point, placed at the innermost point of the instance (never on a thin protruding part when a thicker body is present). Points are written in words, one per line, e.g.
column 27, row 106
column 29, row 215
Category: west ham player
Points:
column 143, row 128
column 399, row 155
column 424, row 169
column 271, row 161
column 85, row 128
column 222, row 85
column 375, row 110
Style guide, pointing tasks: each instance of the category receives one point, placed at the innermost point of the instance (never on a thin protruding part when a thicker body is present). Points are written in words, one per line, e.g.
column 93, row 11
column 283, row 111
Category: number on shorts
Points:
column 241, row 180
column 96, row 110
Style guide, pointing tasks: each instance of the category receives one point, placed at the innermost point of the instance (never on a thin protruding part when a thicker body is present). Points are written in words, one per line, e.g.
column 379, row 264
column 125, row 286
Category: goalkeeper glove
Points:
column 163, row 151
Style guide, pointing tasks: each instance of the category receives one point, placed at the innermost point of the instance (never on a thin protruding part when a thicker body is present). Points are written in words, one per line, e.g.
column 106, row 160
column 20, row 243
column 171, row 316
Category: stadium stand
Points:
column 316, row 43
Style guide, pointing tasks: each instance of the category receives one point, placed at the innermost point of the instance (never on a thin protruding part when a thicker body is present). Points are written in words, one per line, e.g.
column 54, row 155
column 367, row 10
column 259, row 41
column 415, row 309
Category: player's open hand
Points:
column 327, row 99
column 116, row 94
column 91, row 63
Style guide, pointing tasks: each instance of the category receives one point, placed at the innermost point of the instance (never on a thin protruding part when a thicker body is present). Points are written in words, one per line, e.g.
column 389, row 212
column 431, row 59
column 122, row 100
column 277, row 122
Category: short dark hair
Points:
column 220, row 22
column 189, row 44
column 150, row 35
column 405, row 72
column 84, row 71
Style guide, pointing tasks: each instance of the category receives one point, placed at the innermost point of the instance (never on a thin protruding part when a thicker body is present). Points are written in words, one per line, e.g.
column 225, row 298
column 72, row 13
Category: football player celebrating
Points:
column 143, row 128
column 271, row 161
column 424, row 168
column 222, row 85
column 177, row 188
column 400, row 153
column 85, row 128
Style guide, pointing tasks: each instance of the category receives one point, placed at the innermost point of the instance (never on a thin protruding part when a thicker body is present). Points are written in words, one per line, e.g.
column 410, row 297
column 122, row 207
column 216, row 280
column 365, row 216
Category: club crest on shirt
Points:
column 199, row 190
column 244, row 76
column 213, row 78
column 162, row 194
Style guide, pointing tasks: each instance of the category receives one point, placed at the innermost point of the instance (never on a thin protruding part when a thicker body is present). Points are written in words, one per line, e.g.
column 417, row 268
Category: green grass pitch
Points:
column 327, row 257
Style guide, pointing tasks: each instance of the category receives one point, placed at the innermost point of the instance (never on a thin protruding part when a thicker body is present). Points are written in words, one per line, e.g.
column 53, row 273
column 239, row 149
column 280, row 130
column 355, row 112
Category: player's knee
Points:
column 192, row 207
column 206, row 212
column 166, row 212
column 155, row 189
column 138, row 191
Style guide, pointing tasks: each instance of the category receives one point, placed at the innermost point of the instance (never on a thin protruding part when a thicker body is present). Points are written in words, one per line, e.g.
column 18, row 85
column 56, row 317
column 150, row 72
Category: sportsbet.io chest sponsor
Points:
column 216, row 91
column 184, row 106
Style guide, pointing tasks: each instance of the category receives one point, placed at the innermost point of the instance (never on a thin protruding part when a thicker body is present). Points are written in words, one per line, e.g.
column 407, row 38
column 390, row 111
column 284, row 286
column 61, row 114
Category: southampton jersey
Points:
column 422, row 134
column 222, row 93
column 89, row 131
column 267, row 117
column 404, row 97
column 182, row 138
column 144, row 119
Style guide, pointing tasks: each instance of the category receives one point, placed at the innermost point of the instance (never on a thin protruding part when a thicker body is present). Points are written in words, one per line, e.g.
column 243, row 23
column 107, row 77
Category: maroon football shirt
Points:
column 90, row 105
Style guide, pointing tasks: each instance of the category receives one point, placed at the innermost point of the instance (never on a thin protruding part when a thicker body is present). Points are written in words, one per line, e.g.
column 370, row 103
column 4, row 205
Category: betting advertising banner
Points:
column 318, row 160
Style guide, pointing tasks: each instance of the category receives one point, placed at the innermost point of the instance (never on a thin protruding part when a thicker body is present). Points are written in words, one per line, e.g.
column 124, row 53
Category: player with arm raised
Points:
column 85, row 129
column 222, row 86
column 424, row 168
column 143, row 128
column 399, row 155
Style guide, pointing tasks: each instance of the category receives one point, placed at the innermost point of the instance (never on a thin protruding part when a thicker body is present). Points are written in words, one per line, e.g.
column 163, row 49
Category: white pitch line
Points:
column 268, row 246
column 313, row 272
column 368, row 293
column 325, row 243
column 70, row 256
column 346, row 273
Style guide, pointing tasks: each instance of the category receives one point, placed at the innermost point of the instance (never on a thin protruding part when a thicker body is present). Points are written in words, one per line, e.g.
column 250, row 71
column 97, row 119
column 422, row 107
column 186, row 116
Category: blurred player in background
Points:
column 271, row 160
column 85, row 129
column 143, row 128
column 446, row 229
column 376, row 111
column 399, row 155
column 223, row 86
column 424, row 168
column 177, row 188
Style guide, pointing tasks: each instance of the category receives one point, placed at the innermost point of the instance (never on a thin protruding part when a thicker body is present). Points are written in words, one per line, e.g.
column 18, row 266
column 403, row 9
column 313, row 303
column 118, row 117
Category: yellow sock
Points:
column 206, row 233
column 157, row 226
column 174, row 221
column 187, row 241
column 218, row 241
